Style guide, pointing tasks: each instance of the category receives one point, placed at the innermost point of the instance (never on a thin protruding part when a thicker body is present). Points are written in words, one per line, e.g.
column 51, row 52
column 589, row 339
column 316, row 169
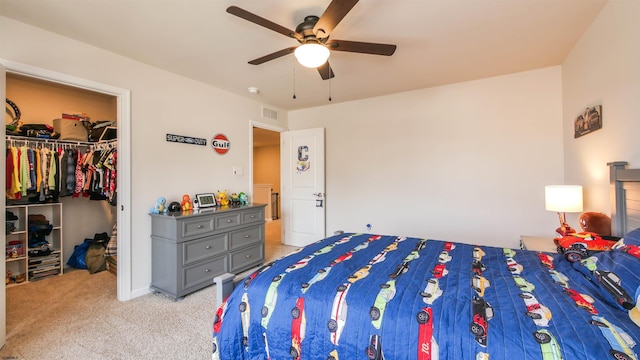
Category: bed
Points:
column 369, row 296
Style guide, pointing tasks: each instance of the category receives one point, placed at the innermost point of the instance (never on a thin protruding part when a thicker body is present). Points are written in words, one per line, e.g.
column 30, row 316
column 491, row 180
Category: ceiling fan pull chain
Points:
column 294, row 82
column 330, row 84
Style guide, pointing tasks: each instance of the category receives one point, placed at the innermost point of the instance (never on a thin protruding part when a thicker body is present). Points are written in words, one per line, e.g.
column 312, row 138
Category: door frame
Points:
column 3, row 242
column 261, row 125
column 123, row 112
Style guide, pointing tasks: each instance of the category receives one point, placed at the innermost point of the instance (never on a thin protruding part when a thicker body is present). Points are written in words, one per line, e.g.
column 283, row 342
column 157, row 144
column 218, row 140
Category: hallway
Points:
column 274, row 249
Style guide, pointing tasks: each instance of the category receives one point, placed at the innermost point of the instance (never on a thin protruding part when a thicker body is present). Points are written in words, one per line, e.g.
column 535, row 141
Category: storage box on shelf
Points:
column 34, row 250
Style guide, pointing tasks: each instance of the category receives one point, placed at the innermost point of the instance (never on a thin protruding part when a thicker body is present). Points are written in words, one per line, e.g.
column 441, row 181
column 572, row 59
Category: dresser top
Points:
column 209, row 211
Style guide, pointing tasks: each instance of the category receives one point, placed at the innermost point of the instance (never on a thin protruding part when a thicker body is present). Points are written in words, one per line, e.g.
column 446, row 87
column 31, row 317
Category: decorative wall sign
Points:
column 303, row 164
column 590, row 120
column 221, row 144
column 186, row 140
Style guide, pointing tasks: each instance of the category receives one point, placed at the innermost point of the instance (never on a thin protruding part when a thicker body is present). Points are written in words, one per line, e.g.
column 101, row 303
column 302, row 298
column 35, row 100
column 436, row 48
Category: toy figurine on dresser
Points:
column 221, row 198
column 160, row 207
column 244, row 199
column 234, row 200
column 186, row 203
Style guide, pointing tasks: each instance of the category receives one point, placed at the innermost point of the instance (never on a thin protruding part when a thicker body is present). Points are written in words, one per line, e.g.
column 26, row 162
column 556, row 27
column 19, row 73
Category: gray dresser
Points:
column 190, row 249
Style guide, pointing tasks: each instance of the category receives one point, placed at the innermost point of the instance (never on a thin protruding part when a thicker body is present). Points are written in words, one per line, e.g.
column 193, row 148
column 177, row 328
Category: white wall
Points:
column 465, row 162
column 603, row 69
column 162, row 103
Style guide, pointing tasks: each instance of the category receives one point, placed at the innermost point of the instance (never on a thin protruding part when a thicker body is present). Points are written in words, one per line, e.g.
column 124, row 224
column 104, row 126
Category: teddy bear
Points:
column 160, row 207
column 186, row 203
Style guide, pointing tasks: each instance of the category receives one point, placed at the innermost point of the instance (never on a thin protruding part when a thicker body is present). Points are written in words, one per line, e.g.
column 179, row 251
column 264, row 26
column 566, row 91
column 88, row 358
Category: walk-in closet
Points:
column 61, row 192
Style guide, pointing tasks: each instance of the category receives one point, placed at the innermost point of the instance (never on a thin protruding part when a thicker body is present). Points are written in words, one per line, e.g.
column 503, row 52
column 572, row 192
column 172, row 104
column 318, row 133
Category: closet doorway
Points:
column 265, row 182
column 121, row 98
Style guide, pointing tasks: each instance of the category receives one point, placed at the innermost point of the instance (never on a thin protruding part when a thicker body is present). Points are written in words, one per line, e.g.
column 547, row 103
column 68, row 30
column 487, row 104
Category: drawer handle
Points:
column 208, row 247
column 206, row 270
column 247, row 236
column 200, row 226
column 248, row 256
column 252, row 216
column 229, row 220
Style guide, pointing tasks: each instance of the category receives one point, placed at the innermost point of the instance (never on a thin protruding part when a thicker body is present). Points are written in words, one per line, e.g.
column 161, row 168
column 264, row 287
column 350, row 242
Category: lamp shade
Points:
column 311, row 55
column 563, row 198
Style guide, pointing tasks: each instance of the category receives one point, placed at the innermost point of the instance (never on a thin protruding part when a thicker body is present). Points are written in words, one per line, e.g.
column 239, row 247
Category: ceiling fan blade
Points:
column 272, row 56
column 326, row 72
column 334, row 13
column 244, row 14
column 361, row 47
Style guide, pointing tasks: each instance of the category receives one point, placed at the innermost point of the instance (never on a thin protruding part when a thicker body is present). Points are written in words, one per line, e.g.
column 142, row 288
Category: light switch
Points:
column 237, row 170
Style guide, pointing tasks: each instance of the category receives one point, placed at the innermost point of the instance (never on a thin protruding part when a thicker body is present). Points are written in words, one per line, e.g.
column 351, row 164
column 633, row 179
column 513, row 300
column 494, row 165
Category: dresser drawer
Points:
column 196, row 250
column 240, row 238
column 252, row 216
column 204, row 273
column 245, row 258
column 227, row 220
column 196, row 226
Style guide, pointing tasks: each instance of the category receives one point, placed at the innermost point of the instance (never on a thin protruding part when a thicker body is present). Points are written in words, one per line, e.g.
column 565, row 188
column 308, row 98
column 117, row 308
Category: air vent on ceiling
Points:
column 269, row 113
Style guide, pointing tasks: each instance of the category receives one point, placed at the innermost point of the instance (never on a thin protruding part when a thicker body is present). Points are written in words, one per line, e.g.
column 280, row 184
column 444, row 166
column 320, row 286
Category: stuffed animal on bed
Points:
column 595, row 222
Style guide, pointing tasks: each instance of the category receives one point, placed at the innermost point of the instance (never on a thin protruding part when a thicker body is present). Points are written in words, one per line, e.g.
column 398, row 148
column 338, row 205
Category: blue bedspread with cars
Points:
column 364, row 296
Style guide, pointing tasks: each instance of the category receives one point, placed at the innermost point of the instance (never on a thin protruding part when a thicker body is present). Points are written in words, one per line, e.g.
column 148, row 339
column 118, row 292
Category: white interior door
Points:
column 3, row 265
column 303, row 186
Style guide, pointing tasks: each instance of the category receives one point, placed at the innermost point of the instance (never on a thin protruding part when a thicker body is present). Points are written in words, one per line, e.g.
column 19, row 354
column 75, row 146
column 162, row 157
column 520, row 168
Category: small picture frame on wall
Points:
column 590, row 120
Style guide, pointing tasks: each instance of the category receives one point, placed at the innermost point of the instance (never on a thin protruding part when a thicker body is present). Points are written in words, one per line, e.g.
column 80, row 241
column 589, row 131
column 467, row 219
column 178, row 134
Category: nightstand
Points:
column 537, row 243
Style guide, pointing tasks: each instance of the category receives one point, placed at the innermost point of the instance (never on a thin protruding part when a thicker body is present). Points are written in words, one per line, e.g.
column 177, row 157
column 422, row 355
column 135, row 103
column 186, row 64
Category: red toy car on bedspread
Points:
column 427, row 345
column 578, row 246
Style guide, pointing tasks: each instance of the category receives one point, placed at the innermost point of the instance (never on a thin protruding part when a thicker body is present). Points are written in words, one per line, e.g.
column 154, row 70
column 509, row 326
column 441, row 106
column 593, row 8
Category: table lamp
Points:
column 563, row 199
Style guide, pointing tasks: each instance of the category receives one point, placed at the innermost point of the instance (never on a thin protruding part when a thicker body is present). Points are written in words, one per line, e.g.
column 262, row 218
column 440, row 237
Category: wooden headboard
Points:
column 625, row 198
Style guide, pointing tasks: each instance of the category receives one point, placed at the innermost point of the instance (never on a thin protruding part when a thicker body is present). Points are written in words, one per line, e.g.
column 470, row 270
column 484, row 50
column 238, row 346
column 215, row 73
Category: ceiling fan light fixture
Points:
column 311, row 55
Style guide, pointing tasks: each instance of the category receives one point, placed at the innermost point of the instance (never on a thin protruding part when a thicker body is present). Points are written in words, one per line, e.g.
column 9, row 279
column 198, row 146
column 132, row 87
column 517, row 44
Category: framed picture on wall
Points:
column 590, row 120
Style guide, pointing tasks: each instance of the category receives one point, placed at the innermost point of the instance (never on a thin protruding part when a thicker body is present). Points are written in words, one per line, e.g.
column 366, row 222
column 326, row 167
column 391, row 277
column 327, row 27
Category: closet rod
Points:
column 58, row 141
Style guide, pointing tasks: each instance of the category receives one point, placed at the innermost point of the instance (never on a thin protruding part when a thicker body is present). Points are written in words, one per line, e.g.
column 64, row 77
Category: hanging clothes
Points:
column 43, row 172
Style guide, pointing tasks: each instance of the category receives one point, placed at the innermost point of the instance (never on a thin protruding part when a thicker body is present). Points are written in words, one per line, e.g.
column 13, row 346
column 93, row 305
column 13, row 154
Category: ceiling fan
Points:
column 313, row 35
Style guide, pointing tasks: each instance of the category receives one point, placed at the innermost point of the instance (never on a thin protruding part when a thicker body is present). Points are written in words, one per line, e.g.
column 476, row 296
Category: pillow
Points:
column 616, row 274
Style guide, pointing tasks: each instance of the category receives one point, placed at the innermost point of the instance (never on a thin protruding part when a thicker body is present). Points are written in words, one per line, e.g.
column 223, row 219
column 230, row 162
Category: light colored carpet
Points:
column 77, row 316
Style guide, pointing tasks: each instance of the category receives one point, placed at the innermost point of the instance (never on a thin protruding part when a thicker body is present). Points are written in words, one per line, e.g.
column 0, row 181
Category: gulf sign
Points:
column 221, row 144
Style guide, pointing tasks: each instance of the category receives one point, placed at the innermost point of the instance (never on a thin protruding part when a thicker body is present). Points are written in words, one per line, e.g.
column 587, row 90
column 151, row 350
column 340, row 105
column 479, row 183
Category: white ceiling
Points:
column 439, row 41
